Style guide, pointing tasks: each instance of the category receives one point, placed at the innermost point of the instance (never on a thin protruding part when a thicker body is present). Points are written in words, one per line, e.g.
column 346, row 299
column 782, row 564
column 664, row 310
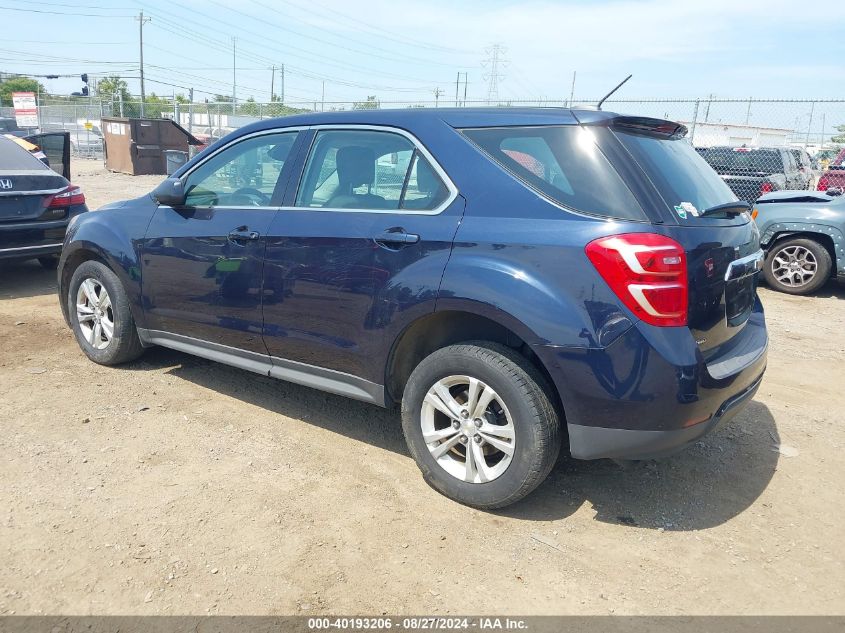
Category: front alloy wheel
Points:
column 99, row 312
column 94, row 313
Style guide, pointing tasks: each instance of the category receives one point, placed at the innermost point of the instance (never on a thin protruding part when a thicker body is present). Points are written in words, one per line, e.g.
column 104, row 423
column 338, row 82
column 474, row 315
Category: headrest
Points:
column 356, row 166
column 281, row 150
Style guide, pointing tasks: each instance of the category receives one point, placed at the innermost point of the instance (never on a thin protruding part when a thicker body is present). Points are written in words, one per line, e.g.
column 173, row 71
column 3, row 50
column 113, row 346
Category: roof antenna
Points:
column 619, row 85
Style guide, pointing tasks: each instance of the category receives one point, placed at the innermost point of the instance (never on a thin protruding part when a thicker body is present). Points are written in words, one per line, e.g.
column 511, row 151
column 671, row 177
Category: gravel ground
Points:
column 176, row 485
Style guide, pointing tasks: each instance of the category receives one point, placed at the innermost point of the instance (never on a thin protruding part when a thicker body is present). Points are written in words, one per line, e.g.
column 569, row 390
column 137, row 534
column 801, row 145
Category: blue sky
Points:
column 404, row 51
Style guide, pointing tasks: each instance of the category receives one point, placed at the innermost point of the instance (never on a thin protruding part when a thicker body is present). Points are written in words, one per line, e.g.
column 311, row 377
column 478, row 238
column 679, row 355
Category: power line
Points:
column 306, row 55
column 393, row 56
column 382, row 33
column 84, row 15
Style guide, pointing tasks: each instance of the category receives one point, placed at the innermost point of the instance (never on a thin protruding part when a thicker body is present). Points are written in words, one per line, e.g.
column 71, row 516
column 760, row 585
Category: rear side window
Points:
column 563, row 163
column 678, row 172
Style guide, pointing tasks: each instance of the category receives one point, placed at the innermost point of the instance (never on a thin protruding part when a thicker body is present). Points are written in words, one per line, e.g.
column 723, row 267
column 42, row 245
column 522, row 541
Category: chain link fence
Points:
column 756, row 145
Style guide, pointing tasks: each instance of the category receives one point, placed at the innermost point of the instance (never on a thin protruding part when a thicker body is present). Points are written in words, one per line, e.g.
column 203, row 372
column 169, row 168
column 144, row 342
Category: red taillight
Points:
column 648, row 272
column 65, row 198
column 766, row 187
column 824, row 183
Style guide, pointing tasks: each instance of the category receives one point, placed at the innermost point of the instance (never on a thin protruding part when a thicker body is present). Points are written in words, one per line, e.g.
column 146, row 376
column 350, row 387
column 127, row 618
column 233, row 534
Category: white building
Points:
column 736, row 135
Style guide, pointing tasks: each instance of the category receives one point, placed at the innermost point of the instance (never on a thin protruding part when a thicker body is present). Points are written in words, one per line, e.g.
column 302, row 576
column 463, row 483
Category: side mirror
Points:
column 170, row 193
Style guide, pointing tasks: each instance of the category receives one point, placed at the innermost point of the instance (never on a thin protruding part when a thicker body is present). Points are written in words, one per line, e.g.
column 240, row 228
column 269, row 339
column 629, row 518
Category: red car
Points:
column 834, row 177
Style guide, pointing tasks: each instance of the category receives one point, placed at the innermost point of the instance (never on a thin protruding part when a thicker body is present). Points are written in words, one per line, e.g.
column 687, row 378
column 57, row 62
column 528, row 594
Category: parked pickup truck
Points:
column 752, row 172
column 834, row 176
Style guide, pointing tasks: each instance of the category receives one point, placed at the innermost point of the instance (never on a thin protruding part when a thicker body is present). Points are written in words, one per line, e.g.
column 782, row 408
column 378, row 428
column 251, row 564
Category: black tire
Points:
column 524, row 392
column 124, row 345
column 781, row 249
column 49, row 263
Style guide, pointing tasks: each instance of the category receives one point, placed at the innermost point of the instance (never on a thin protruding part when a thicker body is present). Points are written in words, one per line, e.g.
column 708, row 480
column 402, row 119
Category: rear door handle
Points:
column 395, row 238
column 243, row 234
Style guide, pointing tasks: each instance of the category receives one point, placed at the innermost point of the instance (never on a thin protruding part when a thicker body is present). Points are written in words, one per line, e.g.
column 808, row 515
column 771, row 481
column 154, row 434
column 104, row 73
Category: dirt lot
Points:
column 176, row 485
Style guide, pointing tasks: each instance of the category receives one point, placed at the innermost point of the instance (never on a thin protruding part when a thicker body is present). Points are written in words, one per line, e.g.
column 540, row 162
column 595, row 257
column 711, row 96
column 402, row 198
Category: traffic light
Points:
column 84, row 91
column 84, row 78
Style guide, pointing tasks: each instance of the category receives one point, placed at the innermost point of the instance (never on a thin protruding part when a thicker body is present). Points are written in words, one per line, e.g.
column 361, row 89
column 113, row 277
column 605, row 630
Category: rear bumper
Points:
column 593, row 442
column 651, row 392
column 35, row 238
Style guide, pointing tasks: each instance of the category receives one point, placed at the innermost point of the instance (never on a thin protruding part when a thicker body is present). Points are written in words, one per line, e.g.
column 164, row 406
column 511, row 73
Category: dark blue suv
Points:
column 514, row 278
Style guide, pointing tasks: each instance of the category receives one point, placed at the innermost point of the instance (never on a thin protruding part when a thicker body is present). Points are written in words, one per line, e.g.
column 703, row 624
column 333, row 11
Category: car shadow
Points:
column 705, row 485
column 20, row 279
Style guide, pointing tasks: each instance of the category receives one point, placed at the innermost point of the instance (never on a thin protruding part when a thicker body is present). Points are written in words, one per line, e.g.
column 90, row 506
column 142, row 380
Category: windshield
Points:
column 681, row 176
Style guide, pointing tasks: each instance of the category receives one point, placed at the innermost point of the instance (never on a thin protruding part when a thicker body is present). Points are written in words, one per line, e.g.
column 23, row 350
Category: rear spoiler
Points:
column 650, row 127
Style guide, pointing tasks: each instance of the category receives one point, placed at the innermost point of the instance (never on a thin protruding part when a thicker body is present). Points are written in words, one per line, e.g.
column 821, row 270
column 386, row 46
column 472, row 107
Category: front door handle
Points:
column 396, row 237
column 243, row 234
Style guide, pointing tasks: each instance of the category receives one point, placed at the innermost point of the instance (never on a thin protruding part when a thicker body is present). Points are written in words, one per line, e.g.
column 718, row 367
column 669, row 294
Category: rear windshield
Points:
column 14, row 157
column 758, row 161
column 679, row 173
column 562, row 163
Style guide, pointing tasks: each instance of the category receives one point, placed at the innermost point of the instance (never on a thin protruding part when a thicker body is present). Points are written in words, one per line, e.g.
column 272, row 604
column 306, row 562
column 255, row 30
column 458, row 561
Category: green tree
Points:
column 111, row 88
column 839, row 138
column 18, row 84
column 372, row 103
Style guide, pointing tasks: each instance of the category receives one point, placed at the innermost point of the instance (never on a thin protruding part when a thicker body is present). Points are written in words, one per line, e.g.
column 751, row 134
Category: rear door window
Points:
column 368, row 170
column 564, row 164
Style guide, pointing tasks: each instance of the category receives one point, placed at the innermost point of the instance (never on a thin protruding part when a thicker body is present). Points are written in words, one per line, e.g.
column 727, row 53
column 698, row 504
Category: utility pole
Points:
column 323, row 99
column 272, row 83
column 496, row 62
column 234, row 75
column 437, row 93
column 572, row 89
column 465, row 89
column 190, row 110
column 282, row 95
column 141, row 21
column 457, row 83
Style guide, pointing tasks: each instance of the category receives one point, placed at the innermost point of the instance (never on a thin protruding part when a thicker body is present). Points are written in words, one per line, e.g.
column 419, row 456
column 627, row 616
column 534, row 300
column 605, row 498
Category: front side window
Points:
column 243, row 174
column 368, row 170
column 564, row 163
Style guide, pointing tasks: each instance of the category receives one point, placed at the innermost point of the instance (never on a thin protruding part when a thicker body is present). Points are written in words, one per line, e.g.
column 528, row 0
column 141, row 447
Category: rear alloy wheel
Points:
column 99, row 311
column 479, row 423
column 797, row 266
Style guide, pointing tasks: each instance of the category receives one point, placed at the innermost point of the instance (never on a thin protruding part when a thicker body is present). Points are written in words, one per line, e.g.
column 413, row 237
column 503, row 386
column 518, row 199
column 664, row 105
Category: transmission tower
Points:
column 496, row 63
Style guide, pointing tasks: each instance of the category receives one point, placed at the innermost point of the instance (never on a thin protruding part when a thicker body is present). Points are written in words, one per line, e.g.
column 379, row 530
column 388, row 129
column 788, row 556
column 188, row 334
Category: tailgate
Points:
column 723, row 248
column 723, row 264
